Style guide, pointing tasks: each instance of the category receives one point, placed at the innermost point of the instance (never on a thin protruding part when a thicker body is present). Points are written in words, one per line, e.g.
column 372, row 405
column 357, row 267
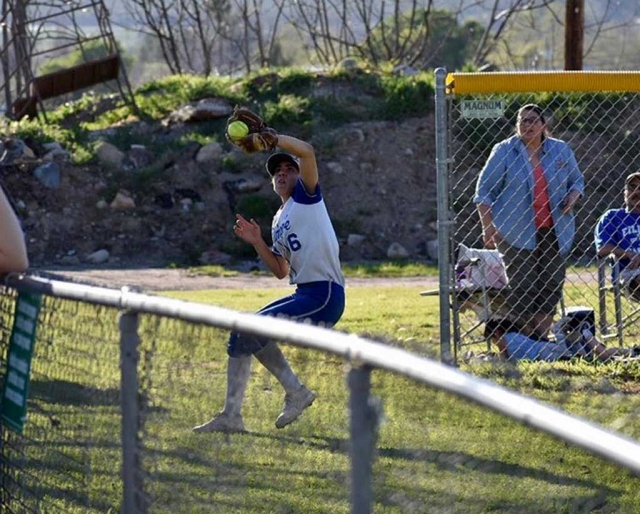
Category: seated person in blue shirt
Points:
column 618, row 234
column 513, row 345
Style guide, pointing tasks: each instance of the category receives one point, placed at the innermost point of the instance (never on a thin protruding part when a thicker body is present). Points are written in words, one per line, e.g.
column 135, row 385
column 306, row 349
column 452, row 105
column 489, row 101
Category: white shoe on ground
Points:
column 222, row 422
column 294, row 404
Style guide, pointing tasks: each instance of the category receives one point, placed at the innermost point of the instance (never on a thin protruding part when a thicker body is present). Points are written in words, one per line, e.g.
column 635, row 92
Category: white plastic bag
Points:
column 480, row 268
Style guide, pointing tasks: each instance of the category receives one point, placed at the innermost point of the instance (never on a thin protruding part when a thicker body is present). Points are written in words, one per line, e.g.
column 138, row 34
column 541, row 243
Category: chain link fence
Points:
column 512, row 286
column 118, row 380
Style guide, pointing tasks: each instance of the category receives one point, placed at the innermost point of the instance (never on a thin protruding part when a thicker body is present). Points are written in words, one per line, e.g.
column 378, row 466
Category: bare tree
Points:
column 501, row 14
column 187, row 31
column 397, row 31
column 515, row 28
column 256, row 31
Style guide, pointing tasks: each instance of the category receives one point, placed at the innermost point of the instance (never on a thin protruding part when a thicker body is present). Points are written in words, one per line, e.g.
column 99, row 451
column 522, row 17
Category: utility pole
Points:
column 574, row 35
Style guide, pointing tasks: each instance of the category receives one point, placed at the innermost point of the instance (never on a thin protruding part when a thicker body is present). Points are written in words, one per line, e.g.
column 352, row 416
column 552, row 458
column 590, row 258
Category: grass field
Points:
column 435, row 454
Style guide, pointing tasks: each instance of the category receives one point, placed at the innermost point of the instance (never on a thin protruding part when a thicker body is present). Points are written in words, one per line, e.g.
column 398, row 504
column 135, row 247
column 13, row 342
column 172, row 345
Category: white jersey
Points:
column 302, row 233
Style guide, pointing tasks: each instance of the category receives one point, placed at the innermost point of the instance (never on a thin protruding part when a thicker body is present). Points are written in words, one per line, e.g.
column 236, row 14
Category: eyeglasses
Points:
column 528, row 121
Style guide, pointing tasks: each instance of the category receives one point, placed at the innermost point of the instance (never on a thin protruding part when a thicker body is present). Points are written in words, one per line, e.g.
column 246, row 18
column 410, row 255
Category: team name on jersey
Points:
column 280, row 229
column 633, row 229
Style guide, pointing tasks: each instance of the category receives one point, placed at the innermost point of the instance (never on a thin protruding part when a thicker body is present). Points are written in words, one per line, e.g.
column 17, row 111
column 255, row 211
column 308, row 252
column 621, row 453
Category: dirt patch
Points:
column 163, row 279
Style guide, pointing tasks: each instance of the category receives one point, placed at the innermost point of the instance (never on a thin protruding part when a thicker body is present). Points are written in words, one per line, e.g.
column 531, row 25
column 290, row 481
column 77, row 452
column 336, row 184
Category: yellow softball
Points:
column 237, row 130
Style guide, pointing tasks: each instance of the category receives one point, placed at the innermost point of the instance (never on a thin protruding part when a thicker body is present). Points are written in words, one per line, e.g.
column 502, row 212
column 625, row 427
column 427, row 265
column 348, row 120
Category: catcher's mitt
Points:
column 260, row 138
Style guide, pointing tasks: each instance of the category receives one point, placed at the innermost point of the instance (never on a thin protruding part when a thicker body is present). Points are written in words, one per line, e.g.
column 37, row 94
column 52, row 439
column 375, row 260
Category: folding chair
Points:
column 480, row 281
column 614, row 287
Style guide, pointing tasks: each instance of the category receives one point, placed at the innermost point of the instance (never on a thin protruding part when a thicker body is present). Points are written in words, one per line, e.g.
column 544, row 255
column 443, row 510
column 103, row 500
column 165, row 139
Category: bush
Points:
column 407, row 96
column 288, row 111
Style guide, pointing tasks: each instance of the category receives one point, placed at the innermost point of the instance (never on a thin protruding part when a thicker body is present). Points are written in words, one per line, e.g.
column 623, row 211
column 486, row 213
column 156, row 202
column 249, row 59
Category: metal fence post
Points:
column 444, row 218
column 364, row 432
column 129, row 356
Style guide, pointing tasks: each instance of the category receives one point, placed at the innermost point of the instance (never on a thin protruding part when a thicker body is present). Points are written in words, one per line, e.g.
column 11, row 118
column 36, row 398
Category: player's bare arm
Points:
column 249, row 231
column 13, row 251
column 620, row 253
column 305, row 152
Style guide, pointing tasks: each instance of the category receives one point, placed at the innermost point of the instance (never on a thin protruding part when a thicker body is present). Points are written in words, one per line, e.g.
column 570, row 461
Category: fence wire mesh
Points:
column 601, row 130
column 183, row 382
column 69, row 457
column 585, row 359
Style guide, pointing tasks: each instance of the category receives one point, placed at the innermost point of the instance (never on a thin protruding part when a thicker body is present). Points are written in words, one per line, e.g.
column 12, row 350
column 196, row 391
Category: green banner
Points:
column 13, row 410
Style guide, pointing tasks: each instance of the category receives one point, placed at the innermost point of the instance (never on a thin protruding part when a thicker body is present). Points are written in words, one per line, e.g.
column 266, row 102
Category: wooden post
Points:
column 574, row 35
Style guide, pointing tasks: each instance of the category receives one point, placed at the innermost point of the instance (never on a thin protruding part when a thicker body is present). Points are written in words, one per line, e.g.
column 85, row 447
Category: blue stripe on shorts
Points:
column 322, row 303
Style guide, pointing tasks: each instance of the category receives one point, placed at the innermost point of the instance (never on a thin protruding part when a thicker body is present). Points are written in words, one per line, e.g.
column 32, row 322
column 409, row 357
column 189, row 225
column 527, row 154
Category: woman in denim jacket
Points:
column 525, row 197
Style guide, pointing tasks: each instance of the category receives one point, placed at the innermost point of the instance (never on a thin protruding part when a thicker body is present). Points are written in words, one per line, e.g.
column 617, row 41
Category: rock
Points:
column 214, row 257
column 28, row 153
column 138, row 157
column 397, row 251
column 109, row 155
column 243, row 185
column 185, row 192
column 12, row 150
column 98, row 257
column 205, row 109
column 355, row 136
column 432, row 249
column 249, row 266
column 105, row 133
column 355, row 239
column 48, row 174
column 335, row 167
column 70, row 260
column 101, row 204
column 52, row 146
column 57, row 155
column 404, row 70
column 210, row 153
column 123, row 201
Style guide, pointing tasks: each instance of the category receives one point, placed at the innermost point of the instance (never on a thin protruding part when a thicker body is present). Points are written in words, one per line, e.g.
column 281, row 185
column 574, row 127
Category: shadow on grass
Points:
column 72, row 393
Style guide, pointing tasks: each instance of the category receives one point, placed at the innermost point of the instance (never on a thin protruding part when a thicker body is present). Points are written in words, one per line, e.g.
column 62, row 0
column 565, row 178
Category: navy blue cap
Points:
column 277, row 158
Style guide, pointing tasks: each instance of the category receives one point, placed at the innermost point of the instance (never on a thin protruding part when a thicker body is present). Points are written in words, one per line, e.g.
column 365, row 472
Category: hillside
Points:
column 177, row 184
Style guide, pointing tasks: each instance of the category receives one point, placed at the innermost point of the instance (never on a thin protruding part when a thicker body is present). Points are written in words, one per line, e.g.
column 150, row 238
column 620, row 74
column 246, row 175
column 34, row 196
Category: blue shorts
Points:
column 319, row 302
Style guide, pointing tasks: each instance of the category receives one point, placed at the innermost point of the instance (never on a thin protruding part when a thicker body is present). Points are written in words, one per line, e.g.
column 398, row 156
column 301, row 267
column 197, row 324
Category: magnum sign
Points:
column 482, row 109
column 13, row 411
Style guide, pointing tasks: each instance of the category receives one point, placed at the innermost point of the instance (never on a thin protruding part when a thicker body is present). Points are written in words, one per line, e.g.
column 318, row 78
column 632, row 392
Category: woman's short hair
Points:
column 540, row 113
column 535, row 108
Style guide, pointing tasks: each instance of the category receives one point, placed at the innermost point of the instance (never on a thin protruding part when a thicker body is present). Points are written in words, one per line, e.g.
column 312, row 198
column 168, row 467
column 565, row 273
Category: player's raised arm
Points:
column 304, row 151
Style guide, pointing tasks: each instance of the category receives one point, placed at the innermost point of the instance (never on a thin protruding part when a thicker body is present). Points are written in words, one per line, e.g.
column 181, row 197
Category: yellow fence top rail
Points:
column 543, row 81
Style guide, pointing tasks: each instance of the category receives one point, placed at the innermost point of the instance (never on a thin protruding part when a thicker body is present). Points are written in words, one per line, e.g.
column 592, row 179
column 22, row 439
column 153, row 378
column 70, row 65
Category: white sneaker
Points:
column 294, row 404
column 222, row 422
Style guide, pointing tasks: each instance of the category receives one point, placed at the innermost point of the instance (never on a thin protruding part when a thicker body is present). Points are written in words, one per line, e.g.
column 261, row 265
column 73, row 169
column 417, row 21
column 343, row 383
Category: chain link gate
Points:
column 597, row 114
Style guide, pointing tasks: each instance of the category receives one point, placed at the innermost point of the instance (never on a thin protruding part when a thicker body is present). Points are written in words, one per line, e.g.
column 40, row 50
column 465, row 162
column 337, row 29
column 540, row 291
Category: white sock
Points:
column 238, row 371
column 272, row 358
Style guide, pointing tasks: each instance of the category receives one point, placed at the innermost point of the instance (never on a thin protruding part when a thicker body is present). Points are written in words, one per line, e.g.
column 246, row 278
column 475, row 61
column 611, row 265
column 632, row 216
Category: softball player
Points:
column 305, row 248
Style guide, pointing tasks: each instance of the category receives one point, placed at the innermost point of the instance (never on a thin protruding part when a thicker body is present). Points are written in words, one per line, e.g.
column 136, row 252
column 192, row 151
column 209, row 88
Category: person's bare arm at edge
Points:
column 490, row 235
column 308, row 166
column 13, row 250
column 249, row 231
